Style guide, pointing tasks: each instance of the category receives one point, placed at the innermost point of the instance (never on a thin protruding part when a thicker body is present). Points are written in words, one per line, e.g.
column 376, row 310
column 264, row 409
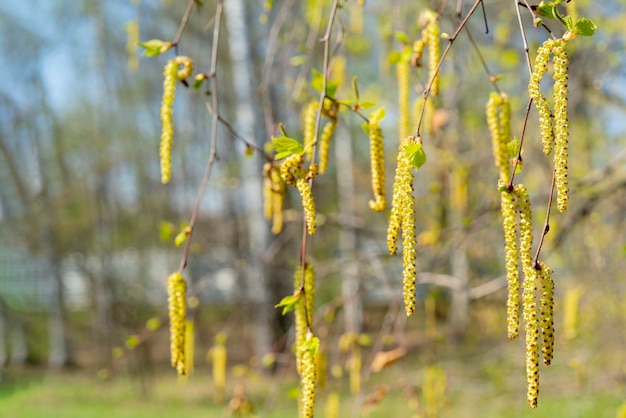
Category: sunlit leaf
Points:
column 285, row 146
column 318, row 84
column 289, row 303
column 155, row 47
column 585, row 27
column 415, row 154
column 377, row 115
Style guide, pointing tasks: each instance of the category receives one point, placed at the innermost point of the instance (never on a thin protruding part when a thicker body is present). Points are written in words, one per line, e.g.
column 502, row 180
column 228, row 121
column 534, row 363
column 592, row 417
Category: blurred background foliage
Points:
column 86, row 236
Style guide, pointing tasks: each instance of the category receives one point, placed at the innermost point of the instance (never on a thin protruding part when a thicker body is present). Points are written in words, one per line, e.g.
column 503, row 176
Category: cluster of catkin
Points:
column 402, row 218
column 178, row 68
column 309, row 115
column 553, row 124
column 518, row 241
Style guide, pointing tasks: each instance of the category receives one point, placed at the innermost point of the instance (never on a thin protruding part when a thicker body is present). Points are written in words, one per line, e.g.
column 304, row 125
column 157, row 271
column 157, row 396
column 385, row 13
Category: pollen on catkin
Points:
column 547, row 312
column 291, row 169
column 511, row 254
column 526, row 228
column 308, row 122
column 409, row 255
column 327, row 134
column 278, row 198
column 177, row 308
column 560, row 123
column 532, row 336
column 377, row 166
column 308, row 204
column 187, row 67
column 304, row 308
column 167, row 120
column 545, row 116
column 309, row 350
column 403, row 75
column 498, row 112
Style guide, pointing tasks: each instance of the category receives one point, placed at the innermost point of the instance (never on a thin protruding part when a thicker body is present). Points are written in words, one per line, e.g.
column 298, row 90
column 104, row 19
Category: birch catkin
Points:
column 167, row 121
column 545, row 116
column 377, row 165
column 560, row 124
column 511, row 254
column 177, row 307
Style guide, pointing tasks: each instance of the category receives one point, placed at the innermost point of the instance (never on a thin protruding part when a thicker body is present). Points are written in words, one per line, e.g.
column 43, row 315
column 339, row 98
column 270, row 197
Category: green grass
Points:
column 84, row 396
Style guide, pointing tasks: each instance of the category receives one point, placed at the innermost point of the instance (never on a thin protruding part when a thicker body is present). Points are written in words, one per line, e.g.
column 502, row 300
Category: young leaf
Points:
column 355, row 88
column 585, row 27
column 416, row 154
column 394, row 57
column 378, row 115
column 547, row 9
column 285, row 146
column 155, row 47
column 318, row 83
column 289, row 302
column 402, row 37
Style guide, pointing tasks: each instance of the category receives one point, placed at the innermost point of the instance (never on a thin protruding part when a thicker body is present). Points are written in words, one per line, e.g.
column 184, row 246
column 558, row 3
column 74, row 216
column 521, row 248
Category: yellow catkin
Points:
column 268, row 208
column 309, row 375
column 167, row 120
column 177, row 307
column 529, row 298
column 403, row 74
column 219, row 355
column 308, row 122
column 304, row 308
column 308, row 204
column 291, row 169
column 547, row 313
column 402, row 188
column 377, row 164
column 511, row 254
column 571, row 302
column 526, row 228
column 498, row 114
column 278, row 200
column 545, row 116
column 560, row 124
column 331, row 409
column 184, row 66
column 273, row 197
column 402, row 218
column 434, row 53
column 324, row 146
column 190, row 339
column 356, row 364
column 532, row 337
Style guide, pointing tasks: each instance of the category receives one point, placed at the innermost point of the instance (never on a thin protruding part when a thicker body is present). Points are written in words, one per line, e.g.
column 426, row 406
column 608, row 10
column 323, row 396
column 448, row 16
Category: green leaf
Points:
column 548, row 10
column 585, row 27
column 513, row 147
column 318, row 84
column 182, row 236
column 155, row 47
column 289, row 303
column 402, row 37
column 415, row 154
column 285, row 146
column 166, row 230
column 568, row 22
column 378, row 115
column 394, row 57
column 366, row 104
column 198, row 83
column 355, row 88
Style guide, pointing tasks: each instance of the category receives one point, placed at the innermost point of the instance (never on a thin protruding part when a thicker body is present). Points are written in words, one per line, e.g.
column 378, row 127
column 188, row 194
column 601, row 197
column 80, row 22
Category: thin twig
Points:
column 443, row 57
column 518, row 158
column 326, row 41
column 213, row 152
column 183, row 24
column 524, row 39
column 546, row 225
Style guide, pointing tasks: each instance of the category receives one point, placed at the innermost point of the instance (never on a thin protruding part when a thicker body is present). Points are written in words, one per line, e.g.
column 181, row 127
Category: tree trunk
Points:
column 246, row 119
column 352, row 308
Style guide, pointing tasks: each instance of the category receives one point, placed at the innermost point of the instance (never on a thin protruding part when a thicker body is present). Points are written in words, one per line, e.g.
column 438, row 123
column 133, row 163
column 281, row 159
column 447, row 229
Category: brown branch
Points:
column 183, row 24
column 213, row 152
column 451, row 40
